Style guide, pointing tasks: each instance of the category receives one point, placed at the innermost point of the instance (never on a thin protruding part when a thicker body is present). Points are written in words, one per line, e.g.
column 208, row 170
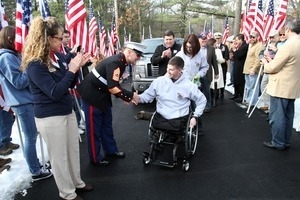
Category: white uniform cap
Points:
column 137, row 47
column 217, row 35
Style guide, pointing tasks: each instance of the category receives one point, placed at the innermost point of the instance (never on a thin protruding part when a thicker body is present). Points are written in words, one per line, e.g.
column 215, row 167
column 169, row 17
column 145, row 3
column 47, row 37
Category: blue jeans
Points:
column 6, row 122
column 25, row 115
column 281, row 120
column 205, row 88
column 250, row 88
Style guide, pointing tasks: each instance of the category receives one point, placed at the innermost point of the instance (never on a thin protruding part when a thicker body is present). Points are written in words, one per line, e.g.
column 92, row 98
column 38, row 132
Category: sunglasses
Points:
column 271, row 37
column 251, row 37
column 282, row 34
column 59, row 38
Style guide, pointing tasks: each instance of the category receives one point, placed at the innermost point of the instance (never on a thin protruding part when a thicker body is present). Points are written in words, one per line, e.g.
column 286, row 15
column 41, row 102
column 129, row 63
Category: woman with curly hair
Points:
column 50, row 78
column 18, row 96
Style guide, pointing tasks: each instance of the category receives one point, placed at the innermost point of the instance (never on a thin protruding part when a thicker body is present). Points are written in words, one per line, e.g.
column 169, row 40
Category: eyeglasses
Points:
column 252, row 37
column 188, row 47
column 282, row 34
column 59, row 38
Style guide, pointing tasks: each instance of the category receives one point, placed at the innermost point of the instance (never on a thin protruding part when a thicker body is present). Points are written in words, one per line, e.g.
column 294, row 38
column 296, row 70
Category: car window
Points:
column 153, row 43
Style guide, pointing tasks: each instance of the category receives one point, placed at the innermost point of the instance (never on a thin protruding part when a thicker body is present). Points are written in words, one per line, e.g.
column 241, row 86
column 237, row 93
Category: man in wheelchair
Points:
column 174, row 94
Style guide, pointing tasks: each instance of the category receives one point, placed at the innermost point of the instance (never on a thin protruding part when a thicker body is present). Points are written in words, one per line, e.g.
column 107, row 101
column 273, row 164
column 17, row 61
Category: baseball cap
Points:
column 202, row 36
column 254, row 34
column 273, row 33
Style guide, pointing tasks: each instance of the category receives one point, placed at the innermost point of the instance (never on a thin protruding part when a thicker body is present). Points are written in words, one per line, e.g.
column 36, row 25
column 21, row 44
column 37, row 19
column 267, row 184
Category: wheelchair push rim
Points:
column 191, row 138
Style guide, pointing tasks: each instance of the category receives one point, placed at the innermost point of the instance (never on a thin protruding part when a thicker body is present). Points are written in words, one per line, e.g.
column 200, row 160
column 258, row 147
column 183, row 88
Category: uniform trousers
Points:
column 99, row 132
column 60, row 135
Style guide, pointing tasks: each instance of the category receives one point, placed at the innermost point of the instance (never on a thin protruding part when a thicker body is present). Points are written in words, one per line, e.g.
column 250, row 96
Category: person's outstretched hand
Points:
column 135, row 98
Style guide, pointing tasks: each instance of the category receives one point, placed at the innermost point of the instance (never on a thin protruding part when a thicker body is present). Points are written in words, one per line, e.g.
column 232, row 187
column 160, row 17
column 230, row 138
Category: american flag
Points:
column 44, row 8
column 268, row 19
column 66, row 14
column 280, row 17
column 226, row 30
column 208, row 31
column 248, row 21
column 23, row 19
column 114, row 34
column 102, row 36
column 3, row 20
column 111, row 48
column 259, row 20
column 76, row 14
column 93, row 28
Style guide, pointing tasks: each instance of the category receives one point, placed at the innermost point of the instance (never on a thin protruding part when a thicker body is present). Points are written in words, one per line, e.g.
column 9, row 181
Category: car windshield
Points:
column 153, row 43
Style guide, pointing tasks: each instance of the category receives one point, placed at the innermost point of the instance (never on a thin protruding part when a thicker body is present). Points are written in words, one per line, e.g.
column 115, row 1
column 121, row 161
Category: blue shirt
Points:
column 50, row 87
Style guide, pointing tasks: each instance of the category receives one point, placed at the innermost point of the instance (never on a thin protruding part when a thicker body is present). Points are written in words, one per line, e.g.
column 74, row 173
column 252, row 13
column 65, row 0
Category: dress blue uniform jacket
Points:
column 98, row 94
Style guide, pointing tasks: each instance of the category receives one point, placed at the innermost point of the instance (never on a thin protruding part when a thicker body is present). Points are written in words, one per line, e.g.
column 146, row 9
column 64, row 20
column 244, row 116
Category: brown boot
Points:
column 4, row 161
column 4, row 151
column 5, row 167
column 12, row 146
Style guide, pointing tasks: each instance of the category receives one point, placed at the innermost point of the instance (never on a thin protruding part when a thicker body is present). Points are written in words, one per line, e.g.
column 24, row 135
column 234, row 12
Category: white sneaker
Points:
column 80, row 131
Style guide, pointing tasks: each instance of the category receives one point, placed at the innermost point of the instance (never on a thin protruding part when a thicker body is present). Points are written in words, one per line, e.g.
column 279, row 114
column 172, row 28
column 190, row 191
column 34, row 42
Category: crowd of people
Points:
column 47, row 86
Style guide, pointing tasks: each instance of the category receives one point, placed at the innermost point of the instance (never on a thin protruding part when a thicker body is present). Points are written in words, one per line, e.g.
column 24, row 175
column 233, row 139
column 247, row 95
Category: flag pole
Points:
column 116, row 16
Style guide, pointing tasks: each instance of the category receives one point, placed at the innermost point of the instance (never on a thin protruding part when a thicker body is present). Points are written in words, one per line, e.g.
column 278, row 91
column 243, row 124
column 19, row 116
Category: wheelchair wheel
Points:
column 191, row 138
column 185, row 165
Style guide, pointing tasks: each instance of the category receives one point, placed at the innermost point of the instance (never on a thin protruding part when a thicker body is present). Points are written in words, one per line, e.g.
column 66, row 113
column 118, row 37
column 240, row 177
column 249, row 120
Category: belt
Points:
column 98, row 76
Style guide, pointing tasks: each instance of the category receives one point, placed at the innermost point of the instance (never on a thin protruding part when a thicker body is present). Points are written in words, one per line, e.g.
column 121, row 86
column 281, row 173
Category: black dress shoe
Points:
column 238, row 100
column 272, row 146
column 101, row 163
column 119, row 154
column 233, row 97
column 86, row 188
column 206, row 110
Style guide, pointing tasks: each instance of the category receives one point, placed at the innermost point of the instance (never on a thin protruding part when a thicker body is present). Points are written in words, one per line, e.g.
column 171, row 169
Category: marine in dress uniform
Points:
column 95, row 91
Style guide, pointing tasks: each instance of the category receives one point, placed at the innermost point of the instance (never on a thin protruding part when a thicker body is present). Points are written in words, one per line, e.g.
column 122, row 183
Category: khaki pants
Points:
column 60, row 135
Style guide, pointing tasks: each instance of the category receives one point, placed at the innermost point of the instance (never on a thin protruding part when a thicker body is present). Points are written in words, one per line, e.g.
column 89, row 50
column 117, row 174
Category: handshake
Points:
column 136, row 98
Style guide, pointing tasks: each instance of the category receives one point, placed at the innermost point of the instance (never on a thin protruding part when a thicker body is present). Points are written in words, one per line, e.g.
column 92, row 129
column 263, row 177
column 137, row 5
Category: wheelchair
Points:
column 165, row 145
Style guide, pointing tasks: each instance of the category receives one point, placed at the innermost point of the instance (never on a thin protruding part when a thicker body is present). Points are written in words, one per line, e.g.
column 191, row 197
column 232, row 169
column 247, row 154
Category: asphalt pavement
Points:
column 230, row 162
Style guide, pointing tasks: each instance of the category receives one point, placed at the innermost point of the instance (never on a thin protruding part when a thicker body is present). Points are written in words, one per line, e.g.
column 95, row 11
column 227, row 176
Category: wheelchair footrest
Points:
column 167, row 156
